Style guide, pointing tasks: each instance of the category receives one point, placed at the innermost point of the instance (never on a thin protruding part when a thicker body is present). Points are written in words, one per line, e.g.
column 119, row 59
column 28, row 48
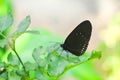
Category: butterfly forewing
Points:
column 77, row 41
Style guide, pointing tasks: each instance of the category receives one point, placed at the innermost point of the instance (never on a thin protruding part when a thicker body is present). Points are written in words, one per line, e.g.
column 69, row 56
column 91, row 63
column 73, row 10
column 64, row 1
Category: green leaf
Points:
column 4, row 76
column 32, row 74
column 3, row 42
column 2, row 68
column 24, row 25
column 20, row 72
column 2, row 65
column 58, row 57
column 39, row 57
column 56, row 64
column 36, row 54
column 13, row 59
column 3, row 73
column 6, row 22
column 39, row 75
column 95, row 54
column 30, row 66
column 13, row 76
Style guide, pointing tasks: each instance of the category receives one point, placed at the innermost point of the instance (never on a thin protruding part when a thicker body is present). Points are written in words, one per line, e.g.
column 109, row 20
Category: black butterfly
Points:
column 77, row 41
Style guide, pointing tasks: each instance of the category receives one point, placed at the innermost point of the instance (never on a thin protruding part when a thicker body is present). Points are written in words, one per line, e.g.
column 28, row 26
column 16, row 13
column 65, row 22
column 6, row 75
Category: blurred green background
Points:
column 55, row 19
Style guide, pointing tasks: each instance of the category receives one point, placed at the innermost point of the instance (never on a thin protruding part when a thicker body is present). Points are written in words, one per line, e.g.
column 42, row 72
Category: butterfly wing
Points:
column 77, row 41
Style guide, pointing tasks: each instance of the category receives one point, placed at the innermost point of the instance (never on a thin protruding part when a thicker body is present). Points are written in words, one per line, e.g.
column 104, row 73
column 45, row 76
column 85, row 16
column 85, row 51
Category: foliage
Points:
column 49, row 63
column 5, row 7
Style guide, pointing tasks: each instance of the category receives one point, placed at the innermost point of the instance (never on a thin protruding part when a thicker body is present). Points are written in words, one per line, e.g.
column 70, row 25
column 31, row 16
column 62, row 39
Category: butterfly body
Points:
column 77, row 41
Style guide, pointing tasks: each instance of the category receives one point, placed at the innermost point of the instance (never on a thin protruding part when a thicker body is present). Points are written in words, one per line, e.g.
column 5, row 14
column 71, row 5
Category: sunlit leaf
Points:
column 22, row 28
column 24, row 25
column 6, row 22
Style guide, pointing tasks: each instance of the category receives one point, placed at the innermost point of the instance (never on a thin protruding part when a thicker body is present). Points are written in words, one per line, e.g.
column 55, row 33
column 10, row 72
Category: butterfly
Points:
column 78, row 40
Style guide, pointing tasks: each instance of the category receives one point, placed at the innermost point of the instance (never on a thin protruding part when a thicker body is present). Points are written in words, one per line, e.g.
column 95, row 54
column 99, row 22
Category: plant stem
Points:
column 3, row 35
column 20, row 60
column 13, row 48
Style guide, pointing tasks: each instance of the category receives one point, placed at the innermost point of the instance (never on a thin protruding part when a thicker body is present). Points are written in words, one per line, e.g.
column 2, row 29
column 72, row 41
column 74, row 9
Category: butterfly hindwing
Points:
column 77, row 41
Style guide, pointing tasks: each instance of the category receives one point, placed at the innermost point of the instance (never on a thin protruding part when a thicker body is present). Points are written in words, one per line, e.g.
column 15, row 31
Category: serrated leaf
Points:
column 37, row 52
column 13, row 59
column 6, row 22
column 39, row 57
column 23, row 25
column 56, row 64
column 58, row 57
column 86, row 57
